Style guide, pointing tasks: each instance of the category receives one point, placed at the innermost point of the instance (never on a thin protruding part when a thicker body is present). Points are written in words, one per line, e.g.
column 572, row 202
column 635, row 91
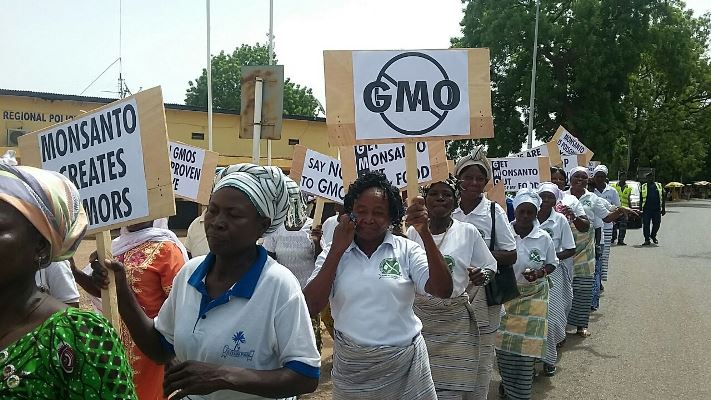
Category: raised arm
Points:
column 319, row 287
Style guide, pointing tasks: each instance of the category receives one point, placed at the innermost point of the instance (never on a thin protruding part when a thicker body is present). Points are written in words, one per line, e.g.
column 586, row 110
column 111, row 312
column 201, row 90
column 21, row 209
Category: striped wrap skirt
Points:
column 381, row 372
column 450, row 330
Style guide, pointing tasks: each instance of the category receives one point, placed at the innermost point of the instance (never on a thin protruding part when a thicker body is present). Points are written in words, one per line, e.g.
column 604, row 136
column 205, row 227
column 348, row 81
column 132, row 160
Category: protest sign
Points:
column 520, row 172
column 187, row 163
column 390, row 159
column 538, row 151
column 317, row 174
column 396, row 96
column 566, row 144
column 117, row 156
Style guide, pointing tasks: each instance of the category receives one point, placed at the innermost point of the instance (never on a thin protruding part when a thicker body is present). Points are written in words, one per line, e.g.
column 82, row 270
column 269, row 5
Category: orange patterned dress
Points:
column 150, row 269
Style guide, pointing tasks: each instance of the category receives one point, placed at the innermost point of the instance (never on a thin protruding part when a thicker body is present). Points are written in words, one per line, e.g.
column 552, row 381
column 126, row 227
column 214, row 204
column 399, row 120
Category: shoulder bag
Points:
column 502, row 287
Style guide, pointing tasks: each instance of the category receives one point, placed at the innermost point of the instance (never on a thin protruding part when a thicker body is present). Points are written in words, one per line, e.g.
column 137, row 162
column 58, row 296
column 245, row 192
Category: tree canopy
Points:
column 630, row 78
column 226, row 83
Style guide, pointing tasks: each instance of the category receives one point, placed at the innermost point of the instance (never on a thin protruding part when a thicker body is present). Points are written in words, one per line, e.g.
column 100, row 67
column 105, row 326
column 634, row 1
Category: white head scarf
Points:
column 159, row 232
column 600, row 168
column 551, row 188
column 578, row 169
column 266, row 188
column 527, row 195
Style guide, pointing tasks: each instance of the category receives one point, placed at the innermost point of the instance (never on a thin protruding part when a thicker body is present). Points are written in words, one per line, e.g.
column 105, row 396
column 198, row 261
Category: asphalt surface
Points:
column 651, row 337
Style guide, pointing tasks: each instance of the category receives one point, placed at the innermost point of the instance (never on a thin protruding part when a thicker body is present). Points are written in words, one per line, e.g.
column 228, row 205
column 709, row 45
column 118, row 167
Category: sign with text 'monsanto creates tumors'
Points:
column 390, row 160
column 317, row 174
column 188, row 164
column 396, row 96
column 520, row 172
column 105, row 153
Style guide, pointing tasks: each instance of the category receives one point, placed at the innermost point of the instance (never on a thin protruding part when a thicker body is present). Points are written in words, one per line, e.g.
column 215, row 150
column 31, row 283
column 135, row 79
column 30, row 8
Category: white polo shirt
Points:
column 261, row 323
column 480, row 217
column 593, row 205
column 462, row 247
column 57, row 281
column 534, row 251
column 558, row 228
column 574, row 204
column 196, row 241
column 372, row 298
column 328, row 228
column 612, row 197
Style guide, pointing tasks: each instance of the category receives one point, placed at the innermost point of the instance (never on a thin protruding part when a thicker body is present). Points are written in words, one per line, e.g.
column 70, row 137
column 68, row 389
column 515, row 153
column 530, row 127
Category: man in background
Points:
column 624, row 192
column 653, row 205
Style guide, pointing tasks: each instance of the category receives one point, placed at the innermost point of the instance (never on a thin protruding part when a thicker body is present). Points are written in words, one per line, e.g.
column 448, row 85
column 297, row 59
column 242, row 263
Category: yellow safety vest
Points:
column 643, row 195
column 624, row 194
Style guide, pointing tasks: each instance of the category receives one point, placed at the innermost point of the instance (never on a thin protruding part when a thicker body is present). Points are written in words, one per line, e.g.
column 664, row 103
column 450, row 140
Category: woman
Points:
column 235, row 320
column 522, row 337
column 603, row 190
column 473, row 172
column 570, row 206
column 49, row 350
column 584, row 258
column 293, row 246
column 449, row 326
column 152, row 256
column 370, row 277
column 561, row 291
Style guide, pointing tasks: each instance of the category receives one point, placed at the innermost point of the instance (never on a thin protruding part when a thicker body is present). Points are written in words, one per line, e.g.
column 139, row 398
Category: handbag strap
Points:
column 493, row 226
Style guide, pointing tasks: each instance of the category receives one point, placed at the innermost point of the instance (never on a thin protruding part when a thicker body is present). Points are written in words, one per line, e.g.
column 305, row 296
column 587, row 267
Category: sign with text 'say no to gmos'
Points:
column 102, row 153
column 317, row 174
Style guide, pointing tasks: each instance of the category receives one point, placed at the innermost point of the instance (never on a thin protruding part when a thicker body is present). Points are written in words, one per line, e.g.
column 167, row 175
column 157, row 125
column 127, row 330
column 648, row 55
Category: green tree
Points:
column 620, row 74
column 298, row 100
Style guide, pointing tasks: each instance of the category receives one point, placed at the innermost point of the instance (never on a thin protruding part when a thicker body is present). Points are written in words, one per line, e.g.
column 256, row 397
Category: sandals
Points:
column 583, row 332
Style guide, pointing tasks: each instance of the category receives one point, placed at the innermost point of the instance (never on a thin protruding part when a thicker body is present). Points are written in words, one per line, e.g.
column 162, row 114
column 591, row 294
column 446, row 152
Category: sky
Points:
column 61, row 47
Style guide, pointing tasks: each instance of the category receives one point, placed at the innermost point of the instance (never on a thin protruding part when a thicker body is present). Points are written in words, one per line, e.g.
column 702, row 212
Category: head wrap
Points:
column 296, row 216
column 451, row 182
column 265, row 187
column 551, row 188
column 50, row 202
column 527, row 195
column 578, row 169
column 600, row 168
column 157, row 232
column 477, row 157
column 8, row 158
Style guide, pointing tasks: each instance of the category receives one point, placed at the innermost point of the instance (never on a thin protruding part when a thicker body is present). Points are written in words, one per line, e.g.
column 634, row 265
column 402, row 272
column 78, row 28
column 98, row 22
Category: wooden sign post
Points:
column 117, row 156
column 397, row 96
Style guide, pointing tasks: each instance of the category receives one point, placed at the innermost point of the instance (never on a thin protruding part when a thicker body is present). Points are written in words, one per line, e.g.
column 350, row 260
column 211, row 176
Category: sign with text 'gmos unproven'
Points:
column 416, row 95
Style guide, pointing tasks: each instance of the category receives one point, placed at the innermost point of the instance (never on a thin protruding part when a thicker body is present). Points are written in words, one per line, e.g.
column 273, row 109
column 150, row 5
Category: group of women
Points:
column 411, row 317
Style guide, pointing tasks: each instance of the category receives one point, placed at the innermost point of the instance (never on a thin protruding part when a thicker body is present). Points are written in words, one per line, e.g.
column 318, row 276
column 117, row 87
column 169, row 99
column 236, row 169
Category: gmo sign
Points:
column 419, row 93
column 437, row 99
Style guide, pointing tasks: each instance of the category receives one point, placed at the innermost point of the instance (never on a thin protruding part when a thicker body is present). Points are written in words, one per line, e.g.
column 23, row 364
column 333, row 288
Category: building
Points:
column 24, row 111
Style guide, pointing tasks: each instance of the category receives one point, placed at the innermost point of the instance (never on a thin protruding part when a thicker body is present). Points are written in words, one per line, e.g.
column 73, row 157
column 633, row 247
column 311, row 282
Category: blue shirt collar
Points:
column 242, row 288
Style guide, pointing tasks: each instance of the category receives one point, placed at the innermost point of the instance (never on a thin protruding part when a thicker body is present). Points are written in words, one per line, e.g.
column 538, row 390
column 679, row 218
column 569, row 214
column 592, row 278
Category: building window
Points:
column 198, row 136
column 293, row 142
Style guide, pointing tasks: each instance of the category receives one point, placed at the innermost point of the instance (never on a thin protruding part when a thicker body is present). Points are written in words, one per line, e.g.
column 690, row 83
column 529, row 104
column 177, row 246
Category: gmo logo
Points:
column 395, row 99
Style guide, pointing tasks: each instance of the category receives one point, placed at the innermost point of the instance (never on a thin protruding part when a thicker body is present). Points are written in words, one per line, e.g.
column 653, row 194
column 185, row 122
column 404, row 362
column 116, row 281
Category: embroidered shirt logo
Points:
column 535, row 256
column 239, row 339
column 390, row 268
column 549, row 232
column 450, row 263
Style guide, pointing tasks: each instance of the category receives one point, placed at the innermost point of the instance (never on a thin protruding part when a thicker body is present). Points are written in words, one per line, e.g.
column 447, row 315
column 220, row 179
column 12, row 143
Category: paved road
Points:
column 652, row 335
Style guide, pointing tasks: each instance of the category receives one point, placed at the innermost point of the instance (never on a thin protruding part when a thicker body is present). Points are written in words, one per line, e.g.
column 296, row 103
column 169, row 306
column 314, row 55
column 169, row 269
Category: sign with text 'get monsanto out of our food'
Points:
column 397, row 96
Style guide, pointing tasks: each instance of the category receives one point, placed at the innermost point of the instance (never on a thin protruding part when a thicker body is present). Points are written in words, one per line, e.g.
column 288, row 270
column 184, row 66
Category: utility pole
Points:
column 531, row 108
